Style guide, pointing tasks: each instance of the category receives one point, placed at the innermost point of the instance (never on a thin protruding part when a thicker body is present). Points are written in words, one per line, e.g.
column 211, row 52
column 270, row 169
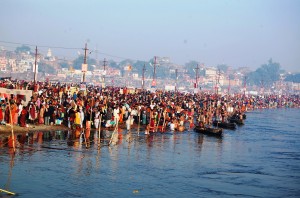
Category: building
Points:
column 3, row 63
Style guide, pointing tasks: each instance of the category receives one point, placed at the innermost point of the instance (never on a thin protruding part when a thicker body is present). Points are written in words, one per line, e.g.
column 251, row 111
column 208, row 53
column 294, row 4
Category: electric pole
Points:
column 35, row 66
column 104, row 73
column 218, row 81
column 176, row 73
column 154, row 73
column 143, row 77
column 245, row 83
column 84, row 66
column 197, row 76
column 228, row 85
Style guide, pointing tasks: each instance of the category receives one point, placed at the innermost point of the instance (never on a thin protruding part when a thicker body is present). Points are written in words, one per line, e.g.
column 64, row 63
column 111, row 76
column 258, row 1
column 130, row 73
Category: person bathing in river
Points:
column 201, row 125
column 191, row 122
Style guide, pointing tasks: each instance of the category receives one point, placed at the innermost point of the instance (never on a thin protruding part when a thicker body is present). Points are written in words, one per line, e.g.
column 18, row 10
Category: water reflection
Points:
column 129, row 139
column 11, row 165
column 251, row 161
column 86, row 156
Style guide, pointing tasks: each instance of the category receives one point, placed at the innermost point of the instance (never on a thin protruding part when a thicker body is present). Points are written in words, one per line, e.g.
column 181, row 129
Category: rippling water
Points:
column 259, row 159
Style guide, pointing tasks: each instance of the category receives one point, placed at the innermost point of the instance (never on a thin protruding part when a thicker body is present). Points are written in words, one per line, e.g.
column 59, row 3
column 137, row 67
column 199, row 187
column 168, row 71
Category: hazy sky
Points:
column 237, row 33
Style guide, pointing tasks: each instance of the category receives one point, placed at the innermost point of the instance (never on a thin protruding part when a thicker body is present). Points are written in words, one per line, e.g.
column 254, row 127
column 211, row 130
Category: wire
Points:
column 110, row 55
column 70, row 48
column 46, row 46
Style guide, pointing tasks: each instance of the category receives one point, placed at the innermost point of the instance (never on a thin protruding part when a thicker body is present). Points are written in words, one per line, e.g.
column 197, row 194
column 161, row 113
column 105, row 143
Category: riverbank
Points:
column 5, row 129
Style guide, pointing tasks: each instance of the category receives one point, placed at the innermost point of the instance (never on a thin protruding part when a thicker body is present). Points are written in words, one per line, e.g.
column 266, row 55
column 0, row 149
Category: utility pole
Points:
column 176, row 73
column 228, row 91
column 245, row 83
column 35, row 66
column 143, row 77
column 197, row 76
column 96, row 55
column 10, row 68
column 84, row 66
column 218, row 81
column 104, row 73
column 154, row 73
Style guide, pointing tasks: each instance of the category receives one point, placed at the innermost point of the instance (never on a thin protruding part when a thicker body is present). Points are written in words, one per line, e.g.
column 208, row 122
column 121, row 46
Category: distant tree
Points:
column 293, row 78
column 190, row 67
column 77, row 63
column 45, row 68
column 223, row 67
column 231, row 76
column 139, row 65
column 113, row 64
column 268, row 73
column 162, row 70
column 23, row 48
column 125, row 62
column 64, row 64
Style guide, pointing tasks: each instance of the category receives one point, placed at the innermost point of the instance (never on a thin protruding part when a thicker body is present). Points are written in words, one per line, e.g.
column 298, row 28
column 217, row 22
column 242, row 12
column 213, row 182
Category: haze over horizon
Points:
column 232, row 32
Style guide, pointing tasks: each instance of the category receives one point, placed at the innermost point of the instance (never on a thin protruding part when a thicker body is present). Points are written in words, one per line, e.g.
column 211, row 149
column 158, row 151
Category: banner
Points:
column 84, row 67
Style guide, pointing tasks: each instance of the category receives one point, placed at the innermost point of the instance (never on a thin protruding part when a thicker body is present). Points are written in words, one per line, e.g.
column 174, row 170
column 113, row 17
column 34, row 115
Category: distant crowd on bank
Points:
column 68, row 104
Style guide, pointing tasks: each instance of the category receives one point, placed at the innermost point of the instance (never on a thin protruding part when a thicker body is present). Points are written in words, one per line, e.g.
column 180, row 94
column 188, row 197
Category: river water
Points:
column 259, row 159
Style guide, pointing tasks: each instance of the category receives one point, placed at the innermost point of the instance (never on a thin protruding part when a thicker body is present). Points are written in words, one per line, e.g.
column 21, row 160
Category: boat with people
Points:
column 236, row 120
column 224, row 125
column 209, row 131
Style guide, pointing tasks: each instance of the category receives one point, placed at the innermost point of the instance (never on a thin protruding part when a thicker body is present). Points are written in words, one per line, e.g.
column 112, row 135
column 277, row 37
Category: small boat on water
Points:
column 209, row 131
column 236, row 120
column 244, row 116
column 224, row 125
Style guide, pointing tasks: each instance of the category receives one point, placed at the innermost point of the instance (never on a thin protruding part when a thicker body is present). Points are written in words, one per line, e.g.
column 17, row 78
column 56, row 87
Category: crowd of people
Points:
column 68, row 104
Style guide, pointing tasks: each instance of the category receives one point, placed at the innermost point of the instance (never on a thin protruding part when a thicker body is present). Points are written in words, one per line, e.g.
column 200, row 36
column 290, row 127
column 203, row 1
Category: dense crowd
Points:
column 57, row 103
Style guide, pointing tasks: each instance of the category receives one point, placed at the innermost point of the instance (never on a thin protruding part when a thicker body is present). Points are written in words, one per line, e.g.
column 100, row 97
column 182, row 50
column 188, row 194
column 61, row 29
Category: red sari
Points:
column 1, row 116
column 32, row 112
column 23, row 117
column 14, row 113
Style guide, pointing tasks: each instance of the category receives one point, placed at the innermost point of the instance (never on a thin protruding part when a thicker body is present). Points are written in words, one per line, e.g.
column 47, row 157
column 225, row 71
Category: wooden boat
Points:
column 224, row 125
column 209, row 131
column 236, row 120
column 244, row 116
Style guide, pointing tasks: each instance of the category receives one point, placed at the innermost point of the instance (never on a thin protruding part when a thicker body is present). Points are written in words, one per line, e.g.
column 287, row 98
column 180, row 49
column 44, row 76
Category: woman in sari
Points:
column 23, row 117
column 41, row 114
column 14, row 113
column 2, row 110
column 32, row 113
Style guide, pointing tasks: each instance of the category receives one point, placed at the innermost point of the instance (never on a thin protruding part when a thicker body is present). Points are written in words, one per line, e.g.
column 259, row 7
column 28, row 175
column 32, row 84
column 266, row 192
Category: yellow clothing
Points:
column 77, row 118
